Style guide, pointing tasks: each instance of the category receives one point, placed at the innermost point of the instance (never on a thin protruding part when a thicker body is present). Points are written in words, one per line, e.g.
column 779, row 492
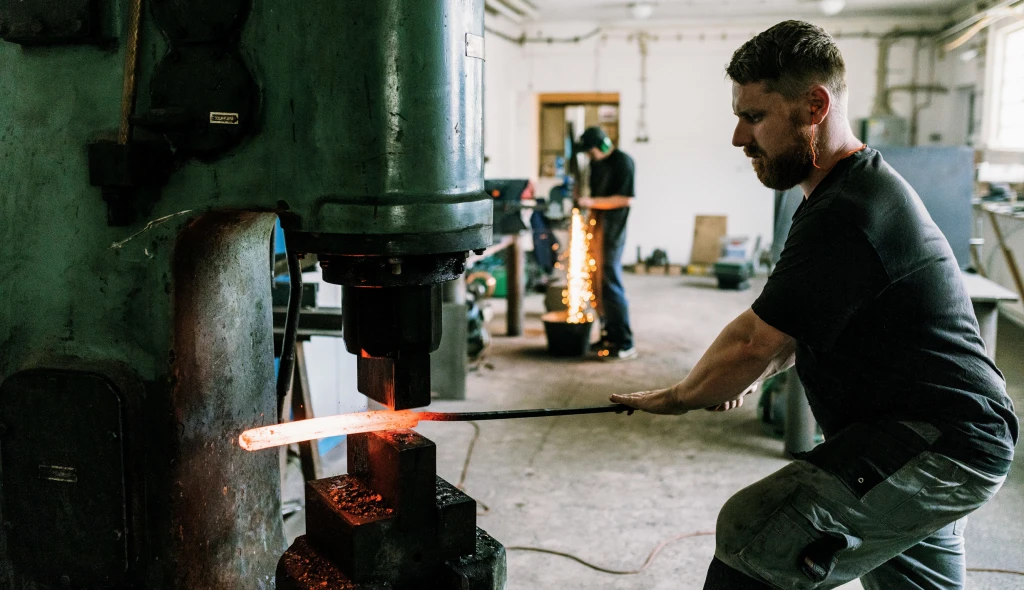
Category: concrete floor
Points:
column 609, row 488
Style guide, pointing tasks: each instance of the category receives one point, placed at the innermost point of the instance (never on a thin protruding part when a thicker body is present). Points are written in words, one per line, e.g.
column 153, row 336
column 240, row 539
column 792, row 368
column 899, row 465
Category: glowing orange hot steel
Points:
column 303, row 430
column 579, row 293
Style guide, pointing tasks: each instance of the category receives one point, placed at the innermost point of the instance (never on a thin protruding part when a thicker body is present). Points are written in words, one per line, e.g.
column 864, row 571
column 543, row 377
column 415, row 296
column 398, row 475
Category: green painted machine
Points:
column 146, row 149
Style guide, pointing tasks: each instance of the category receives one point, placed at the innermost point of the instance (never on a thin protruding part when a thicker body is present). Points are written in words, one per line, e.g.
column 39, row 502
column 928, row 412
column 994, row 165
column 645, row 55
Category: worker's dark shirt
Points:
column 885, row 330
column 610, row 177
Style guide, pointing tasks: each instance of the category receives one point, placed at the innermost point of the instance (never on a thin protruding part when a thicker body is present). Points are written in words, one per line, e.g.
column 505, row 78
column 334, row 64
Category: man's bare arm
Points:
column 773, row 369
column 606, row 203
column 746, row 350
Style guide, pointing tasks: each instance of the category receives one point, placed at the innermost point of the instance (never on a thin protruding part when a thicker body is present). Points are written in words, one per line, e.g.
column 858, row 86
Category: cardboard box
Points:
column 708, row 232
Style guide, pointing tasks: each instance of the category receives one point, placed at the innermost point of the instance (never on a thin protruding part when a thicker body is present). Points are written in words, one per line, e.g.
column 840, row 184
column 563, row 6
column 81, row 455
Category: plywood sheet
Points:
column 707, row 234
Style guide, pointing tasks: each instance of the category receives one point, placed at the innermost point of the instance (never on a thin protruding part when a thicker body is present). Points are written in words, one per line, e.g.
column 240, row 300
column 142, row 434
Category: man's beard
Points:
column 786, row 170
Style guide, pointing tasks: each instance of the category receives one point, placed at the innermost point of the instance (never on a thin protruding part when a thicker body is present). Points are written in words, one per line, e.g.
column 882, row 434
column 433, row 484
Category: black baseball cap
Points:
column 594, row 137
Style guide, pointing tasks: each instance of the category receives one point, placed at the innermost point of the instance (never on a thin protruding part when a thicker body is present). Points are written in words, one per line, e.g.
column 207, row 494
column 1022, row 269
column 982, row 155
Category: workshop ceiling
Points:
column 615, row 10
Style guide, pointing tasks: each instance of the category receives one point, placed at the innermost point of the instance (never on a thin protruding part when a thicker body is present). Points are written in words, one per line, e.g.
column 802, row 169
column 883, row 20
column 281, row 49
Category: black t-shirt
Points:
column 610, row 177
column 869, row 288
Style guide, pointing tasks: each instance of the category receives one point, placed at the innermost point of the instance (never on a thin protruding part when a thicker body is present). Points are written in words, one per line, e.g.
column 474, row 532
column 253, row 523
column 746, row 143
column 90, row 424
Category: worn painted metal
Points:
column 370, row 123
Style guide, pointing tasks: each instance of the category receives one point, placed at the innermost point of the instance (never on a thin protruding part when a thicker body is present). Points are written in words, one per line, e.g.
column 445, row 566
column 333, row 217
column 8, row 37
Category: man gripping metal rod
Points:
column 868, row 301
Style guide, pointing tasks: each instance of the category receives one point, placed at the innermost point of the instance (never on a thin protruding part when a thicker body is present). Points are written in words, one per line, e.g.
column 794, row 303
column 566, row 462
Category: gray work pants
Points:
column 804, row 528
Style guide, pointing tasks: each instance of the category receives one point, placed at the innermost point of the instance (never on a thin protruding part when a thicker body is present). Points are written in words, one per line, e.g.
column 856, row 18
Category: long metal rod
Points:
column 510, row 414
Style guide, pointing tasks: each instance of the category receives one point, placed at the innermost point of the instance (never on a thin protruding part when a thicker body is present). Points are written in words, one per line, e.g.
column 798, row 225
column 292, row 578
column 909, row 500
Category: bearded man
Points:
column 869, row 303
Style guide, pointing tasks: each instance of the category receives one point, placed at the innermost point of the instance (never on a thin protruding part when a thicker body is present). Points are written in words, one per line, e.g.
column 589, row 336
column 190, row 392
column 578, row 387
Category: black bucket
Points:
column 565, row 339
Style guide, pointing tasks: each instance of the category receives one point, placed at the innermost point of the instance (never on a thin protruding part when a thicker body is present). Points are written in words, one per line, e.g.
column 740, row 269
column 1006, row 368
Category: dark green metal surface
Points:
column 370, row 123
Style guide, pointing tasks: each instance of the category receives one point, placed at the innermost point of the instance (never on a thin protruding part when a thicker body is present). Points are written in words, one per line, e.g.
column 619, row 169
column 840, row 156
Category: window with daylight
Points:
column 1009, row 100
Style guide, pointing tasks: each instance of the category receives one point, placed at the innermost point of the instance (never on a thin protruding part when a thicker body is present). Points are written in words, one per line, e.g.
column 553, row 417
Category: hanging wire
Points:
column 286, row 367
column 642, row 39
column 523, row 39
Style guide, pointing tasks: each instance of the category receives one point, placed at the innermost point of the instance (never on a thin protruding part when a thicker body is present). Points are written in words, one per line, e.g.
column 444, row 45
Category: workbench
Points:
column 986, row 295
column 515, row 264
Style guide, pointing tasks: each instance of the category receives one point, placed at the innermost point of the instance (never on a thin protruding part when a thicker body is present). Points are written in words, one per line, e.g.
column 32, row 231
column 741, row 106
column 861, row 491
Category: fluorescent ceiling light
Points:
column 642, row 10
column 969, row 55
column 831, row 7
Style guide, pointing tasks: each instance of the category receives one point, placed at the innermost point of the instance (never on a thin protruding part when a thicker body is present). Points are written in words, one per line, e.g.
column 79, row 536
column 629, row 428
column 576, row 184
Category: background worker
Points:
column 611, row 195
column 868, row 295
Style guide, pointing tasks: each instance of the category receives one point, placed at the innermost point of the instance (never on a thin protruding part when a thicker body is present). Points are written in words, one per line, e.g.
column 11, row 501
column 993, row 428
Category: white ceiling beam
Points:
column 523, row 7
column 981, row 15
column 502, row 9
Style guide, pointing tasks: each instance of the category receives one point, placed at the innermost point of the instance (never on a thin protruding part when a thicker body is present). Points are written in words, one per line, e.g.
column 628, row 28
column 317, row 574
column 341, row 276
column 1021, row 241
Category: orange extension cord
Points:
column 650, row 557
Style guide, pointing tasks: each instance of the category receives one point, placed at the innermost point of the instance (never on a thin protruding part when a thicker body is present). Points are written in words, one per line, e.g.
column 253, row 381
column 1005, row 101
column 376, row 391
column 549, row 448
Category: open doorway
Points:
column 560, row 112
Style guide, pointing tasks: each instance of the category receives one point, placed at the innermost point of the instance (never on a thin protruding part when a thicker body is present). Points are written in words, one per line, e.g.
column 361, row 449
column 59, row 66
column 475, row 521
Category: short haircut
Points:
column 789, row 58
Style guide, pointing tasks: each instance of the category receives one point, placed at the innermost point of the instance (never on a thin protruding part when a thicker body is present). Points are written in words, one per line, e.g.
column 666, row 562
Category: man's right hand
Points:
column 737, row 402
column 659, row 401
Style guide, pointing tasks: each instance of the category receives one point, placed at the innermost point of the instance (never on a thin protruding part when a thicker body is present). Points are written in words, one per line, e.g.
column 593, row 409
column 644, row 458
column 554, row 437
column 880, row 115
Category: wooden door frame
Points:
column 562, row 98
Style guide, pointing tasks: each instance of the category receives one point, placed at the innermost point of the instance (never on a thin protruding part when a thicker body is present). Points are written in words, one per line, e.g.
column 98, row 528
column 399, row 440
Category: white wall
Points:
column 330, row 368
column 689, row 166
column 506, row 107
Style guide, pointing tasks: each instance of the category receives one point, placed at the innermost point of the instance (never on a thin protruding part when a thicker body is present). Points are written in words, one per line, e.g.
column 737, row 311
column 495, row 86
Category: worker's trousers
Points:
column 614, row 305
column 839, row 516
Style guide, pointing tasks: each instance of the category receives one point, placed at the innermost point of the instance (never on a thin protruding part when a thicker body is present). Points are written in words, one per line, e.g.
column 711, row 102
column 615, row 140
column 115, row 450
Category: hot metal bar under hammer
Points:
column 291, row 432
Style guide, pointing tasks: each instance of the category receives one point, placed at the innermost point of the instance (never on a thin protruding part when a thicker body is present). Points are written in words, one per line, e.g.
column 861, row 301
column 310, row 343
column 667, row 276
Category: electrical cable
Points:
column 992, row 16
column 995, row 571
column 647, row 562
column 1006, row 4
column 650, row 557
column 469, row 455
column 523, row 39
column 465, row 466
column 971, row 32
column 286, row 367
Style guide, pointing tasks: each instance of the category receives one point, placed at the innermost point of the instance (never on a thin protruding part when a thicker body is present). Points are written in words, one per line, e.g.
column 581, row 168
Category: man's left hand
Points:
column 736, row 402
column 659, row 401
